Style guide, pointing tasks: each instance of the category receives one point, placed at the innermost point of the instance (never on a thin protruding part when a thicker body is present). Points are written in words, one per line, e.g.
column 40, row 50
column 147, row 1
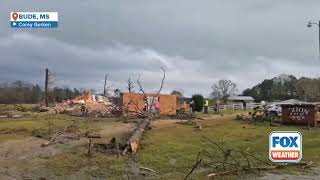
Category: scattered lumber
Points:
column 148, row 169
column 90, row 146
column 93, row 135
column 221, row 173
column 198, row 161
column 310, row 163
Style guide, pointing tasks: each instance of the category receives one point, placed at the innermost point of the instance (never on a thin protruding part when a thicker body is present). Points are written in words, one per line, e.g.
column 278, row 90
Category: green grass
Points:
column 13, row 107
column 173, row 150
column 59, row 120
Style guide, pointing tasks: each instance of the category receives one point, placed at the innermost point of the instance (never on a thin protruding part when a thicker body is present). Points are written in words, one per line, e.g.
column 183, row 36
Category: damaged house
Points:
column 134, row 102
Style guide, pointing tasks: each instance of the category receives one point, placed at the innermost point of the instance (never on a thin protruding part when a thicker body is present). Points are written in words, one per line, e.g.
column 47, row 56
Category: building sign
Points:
column 34, row 19
column 300, row 114
column 285, row 146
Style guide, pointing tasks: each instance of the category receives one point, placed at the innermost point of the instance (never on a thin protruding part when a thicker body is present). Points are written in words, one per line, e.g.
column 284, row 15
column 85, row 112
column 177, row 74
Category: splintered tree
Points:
column 149, row 106
column 105, row 85
column 136, row 136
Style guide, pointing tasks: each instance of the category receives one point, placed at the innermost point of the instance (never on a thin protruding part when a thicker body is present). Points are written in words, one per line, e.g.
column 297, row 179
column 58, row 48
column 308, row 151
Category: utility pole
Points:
column 46, row 87
column 105, row 85
column 318, row 24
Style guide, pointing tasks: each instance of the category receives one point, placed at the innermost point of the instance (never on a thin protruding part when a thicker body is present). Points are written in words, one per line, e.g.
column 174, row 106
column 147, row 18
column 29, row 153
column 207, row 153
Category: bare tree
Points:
column 105, row 85
column 149, row 106
column 223, row 89
column 178, row 93
column 130, row 85
column 46, row 88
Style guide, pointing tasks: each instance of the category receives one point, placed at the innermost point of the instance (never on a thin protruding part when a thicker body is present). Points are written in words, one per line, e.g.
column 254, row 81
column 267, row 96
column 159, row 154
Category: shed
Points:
column 135, row 102
column 240, row 99
column 243, row 100
column 292, row 101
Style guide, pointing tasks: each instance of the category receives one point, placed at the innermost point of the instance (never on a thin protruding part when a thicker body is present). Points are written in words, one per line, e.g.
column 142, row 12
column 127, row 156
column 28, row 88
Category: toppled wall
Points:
column 135, row 102
column 84, row 98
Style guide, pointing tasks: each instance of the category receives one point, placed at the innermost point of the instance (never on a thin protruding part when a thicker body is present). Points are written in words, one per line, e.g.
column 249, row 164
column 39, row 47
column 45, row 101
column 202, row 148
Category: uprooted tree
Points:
column 136, row 136
column 134, row 139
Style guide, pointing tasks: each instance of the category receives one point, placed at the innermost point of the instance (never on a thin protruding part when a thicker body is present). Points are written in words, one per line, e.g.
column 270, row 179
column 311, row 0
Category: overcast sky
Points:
column 199, row 42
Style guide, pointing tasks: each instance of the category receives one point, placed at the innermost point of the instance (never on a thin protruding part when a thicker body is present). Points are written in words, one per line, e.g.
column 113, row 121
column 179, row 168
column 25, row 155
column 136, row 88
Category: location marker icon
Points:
column 14, row 16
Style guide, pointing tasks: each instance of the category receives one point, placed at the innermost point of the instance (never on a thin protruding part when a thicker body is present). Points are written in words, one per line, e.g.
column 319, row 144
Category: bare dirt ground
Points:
column 30, row 147
column 15, row 152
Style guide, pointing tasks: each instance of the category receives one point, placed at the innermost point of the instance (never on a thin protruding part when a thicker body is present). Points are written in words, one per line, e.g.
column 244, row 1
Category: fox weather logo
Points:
column 34, row 19
column 285, row 146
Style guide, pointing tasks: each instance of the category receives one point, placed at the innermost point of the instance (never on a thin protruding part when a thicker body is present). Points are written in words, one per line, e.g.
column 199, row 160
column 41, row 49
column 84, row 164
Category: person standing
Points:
column 192, row 105
column 157, row 107
column 205, row 106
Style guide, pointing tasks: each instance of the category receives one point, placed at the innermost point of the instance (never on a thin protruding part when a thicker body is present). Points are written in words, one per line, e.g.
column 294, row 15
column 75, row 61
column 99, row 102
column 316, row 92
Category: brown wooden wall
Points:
column 167, row 102
column 299, row 114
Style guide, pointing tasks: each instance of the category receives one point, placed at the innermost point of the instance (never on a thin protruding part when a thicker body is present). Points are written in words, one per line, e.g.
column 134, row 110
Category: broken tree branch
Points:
column 195, row 166
column 149, row 106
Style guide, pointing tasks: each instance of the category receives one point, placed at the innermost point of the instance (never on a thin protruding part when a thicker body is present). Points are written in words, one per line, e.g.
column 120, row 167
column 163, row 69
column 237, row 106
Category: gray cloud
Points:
column 198, row 42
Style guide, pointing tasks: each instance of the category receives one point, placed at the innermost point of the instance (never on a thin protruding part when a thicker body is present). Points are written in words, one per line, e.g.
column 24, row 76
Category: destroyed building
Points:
column 136, row 102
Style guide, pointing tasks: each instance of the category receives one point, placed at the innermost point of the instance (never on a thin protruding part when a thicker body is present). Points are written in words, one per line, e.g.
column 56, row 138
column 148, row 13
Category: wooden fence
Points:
column 236, row 106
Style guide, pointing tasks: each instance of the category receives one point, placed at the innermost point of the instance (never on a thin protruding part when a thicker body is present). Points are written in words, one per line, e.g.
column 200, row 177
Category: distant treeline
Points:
column 286, row 87
column 19, row 92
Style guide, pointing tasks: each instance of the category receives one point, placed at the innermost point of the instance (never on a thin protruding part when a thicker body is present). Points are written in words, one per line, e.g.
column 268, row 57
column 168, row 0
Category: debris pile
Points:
column 86, row 104
column 259, row 114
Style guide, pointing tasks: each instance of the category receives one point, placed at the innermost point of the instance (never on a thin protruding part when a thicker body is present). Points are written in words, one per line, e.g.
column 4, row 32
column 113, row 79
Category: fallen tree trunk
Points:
column 136, row 136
